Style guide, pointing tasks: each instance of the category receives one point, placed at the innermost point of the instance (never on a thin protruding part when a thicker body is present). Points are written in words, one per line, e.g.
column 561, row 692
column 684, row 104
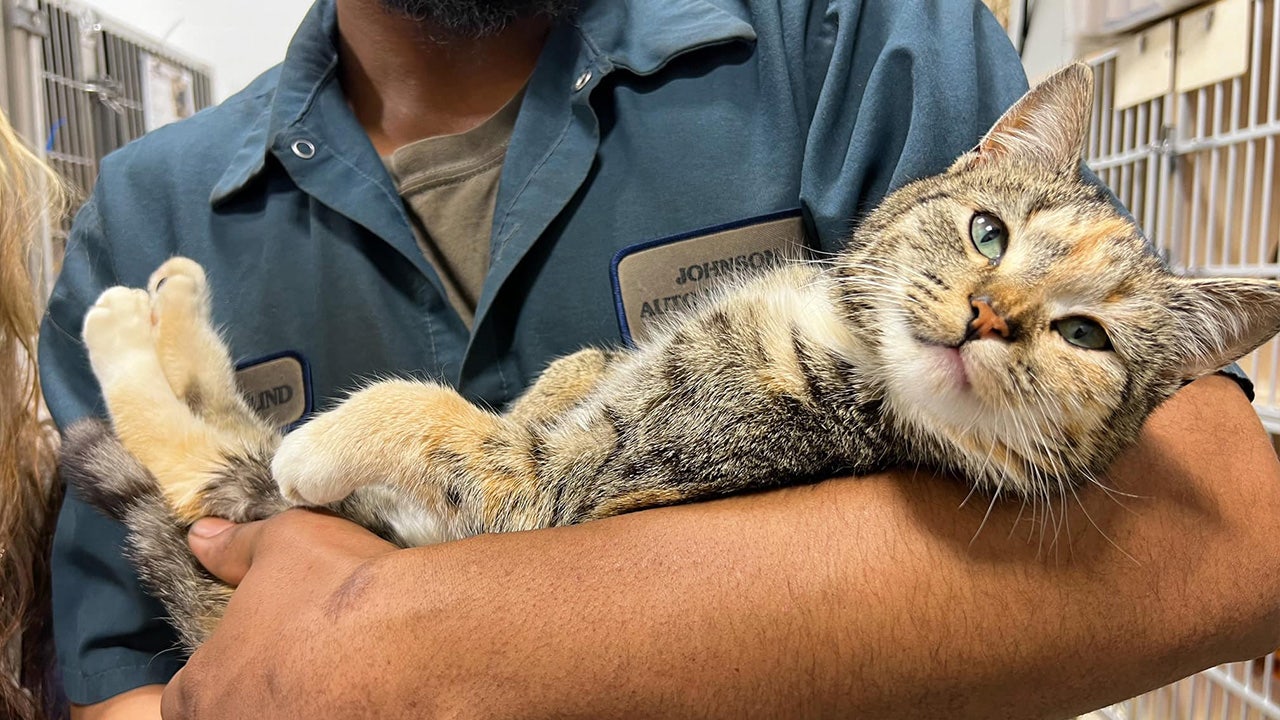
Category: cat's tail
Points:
column 102, row 472
column 109, row 478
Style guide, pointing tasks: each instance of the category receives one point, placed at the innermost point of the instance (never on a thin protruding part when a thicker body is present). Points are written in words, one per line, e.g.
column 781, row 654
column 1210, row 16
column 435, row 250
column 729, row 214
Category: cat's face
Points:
column 1019, row 319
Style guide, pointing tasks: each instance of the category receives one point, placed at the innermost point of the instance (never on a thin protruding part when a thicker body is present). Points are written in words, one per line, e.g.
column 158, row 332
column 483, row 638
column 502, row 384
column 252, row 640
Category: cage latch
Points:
column 107, row 91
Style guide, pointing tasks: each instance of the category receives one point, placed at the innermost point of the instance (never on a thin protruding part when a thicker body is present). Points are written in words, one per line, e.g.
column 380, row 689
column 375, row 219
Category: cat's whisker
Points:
column 1101, row 532
column 1022, row 508
column 1040, row 478
column 1035, row 521
column 877, row 280
column 869, row 285
column 984, row 470
column 1065, row 530
column 176, row 648
column 1114, row 492
column 995, row 496
column 973, row 488
column 1059, row 463
column 883, row 269
column 1026, row 446
column 1048, row 529
column 1038, row 485
column 1029, row 495
column 824, row 253
column 1047, row 517
column 1047, row 429
column 1053, row 528
column 886, row 282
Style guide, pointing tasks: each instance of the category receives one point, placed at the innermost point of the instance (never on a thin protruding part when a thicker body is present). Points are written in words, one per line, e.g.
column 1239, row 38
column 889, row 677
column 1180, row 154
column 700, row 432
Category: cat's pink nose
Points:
column 987, row 324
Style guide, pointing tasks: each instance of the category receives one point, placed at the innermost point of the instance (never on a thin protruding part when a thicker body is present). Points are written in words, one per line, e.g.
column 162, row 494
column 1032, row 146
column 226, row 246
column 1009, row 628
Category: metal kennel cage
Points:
column 77, row 86
column 1185, row 128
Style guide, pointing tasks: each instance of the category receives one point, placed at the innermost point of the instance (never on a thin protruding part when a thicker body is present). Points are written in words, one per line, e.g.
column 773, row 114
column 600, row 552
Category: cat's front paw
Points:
column 117, row 332
column 310, row 465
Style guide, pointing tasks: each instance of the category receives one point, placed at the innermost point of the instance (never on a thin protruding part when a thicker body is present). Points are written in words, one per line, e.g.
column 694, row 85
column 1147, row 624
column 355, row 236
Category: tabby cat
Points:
column 1002, row 321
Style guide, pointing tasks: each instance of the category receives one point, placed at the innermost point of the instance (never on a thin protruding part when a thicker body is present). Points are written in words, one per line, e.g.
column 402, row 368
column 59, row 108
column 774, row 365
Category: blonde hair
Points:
column 30, row 196
column 999, row 8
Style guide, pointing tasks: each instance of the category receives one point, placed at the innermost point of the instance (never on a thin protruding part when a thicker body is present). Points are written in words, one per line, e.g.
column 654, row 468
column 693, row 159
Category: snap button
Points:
column 304, row 149
column 582, row 80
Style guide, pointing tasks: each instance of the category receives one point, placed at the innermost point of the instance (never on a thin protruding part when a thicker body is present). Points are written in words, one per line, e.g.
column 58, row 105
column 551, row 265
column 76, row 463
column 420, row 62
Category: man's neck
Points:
column 406, row 81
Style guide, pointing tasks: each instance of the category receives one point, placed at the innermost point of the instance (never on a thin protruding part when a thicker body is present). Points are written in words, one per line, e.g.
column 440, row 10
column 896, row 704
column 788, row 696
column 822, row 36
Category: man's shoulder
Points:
column 193, row 152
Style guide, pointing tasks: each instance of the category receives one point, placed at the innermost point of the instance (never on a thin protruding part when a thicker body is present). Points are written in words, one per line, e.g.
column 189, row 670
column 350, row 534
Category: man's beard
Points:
column 478, row 18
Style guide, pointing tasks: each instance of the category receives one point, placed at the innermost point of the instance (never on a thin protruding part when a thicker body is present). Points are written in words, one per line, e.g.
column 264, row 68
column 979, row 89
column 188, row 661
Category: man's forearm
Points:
column 138, row 704
column 865, row 597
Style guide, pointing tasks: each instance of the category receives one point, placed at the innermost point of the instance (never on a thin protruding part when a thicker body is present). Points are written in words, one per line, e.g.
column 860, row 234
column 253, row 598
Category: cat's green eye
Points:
column 989, row 235
column 1083, row 332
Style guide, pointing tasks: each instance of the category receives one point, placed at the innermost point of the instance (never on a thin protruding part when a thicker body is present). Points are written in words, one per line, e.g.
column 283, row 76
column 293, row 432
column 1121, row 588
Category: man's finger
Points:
column 224, row 548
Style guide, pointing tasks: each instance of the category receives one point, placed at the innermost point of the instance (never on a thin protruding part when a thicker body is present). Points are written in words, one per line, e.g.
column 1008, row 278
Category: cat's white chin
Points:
column 936, row 381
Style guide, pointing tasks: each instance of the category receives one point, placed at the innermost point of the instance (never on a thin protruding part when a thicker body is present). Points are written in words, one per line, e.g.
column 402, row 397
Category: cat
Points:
column 1003, row 321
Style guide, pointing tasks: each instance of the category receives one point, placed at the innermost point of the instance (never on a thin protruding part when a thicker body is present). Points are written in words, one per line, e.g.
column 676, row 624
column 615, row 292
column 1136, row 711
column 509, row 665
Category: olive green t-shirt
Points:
column 449, row 184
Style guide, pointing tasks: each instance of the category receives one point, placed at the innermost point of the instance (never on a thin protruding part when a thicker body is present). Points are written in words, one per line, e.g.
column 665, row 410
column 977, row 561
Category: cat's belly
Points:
column 756, row 390
column 398, row 516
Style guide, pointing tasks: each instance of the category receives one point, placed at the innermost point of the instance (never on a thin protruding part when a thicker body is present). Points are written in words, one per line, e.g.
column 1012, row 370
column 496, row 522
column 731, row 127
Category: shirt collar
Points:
column 308, row 65
column 644, row 36
column 640, row 37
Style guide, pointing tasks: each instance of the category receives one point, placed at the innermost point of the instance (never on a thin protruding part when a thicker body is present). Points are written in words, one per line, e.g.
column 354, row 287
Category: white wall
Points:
column 1052, row 40
column 1049, row 43
column 238, row 38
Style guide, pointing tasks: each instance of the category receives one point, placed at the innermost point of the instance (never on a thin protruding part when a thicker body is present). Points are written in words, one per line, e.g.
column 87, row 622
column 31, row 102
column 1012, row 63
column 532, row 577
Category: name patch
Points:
column 278, row 388
column 656, row 279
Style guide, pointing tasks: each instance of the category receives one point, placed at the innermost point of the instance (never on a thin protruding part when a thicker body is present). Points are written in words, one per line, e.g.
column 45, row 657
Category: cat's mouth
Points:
column 947, row 359
column 935, row 383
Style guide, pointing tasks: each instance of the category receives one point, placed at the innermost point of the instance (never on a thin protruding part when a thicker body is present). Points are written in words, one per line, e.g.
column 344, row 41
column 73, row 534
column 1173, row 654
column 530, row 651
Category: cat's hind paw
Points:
column 185, row 270
column 180, row 311
column 195, row 360
column 118, row 332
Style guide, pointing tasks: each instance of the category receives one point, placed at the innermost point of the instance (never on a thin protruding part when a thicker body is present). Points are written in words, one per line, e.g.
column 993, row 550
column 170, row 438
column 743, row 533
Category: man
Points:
column 319, row 201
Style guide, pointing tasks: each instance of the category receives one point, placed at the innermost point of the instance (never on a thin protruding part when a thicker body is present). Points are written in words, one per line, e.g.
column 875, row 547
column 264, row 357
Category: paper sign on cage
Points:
column 168, row 92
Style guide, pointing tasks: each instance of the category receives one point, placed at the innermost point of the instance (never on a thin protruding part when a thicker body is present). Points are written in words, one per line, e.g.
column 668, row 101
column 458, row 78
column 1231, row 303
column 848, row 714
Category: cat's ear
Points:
column 1047, row 127
column 1221, row 320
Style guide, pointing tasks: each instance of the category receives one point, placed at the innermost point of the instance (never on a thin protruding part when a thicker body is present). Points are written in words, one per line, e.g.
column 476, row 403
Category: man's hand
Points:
column 306, row 573
column 875, row 597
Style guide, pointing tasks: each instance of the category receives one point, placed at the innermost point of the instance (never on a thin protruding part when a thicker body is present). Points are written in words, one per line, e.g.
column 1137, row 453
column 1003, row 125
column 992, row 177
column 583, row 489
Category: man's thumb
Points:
column 223, row 547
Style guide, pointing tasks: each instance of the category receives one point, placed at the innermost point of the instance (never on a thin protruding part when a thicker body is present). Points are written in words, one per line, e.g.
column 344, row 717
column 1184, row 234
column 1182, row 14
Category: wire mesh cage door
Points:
column 86, row 95
column 1184, row 130
column 95, row 86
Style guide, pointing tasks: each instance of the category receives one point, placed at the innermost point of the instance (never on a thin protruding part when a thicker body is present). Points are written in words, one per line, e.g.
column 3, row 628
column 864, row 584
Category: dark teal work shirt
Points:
column 643, row 121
